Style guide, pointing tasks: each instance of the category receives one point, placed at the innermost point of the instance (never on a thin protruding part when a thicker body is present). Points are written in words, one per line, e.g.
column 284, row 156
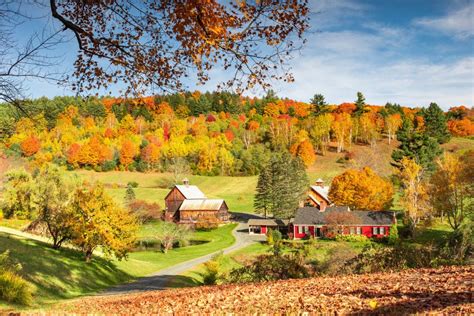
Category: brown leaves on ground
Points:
column 446, row 290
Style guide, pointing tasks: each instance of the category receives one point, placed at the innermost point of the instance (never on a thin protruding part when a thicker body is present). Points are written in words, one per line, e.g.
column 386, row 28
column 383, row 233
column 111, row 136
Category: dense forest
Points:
column 216, row 133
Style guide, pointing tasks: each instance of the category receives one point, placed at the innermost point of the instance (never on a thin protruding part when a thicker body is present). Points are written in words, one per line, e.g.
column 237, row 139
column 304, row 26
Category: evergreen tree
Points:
column 416, row 145
column 360, row 105
column 281, row 185
column 129, row 194
column 319, row 105
column 436, row 123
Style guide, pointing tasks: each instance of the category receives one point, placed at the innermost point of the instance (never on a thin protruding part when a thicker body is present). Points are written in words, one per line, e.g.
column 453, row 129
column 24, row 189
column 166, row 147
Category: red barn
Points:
column 310, row 221
column 186, row 204
column 317, row 195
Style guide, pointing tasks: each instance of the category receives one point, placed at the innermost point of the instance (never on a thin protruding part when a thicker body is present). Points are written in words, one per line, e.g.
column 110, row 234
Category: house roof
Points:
column 312, row 216
column 268, row 222
column 191, row 192
column 201, row 205
column 322, row 191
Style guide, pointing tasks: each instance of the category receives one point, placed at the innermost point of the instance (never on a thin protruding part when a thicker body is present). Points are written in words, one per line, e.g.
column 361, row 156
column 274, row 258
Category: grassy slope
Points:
column 239, row 191
column 63, row 274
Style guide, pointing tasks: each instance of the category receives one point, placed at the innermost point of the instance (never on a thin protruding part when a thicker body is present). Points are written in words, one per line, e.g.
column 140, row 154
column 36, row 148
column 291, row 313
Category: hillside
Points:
column 239, row 191
column 445, row 290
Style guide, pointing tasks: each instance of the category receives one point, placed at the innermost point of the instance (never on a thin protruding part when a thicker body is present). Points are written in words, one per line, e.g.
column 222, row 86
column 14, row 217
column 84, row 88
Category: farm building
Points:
column 260, row 226
column 317, row 195
column 186, row 204
column 311, row 221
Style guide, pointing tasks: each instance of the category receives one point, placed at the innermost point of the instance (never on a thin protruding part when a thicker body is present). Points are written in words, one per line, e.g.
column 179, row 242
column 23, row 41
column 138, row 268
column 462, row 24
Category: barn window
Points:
column 375, row 230
column 382, row 230
column 359, row 230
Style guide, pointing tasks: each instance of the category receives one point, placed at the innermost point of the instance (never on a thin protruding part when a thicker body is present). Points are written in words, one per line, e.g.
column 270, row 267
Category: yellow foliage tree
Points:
column 362, row 190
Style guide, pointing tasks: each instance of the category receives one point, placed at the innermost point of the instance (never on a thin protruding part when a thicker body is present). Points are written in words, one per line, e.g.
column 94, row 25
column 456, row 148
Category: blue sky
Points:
column 412, row 52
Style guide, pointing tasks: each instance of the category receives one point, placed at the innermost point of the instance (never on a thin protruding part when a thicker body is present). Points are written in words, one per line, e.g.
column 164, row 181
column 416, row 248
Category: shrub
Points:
column 338, row 261
column 352, row 238
column 350, row 155
column 146, row 212
column 276, row 234
column 133, row 184
column 270, row 237
column 393, row 235
column 271, row 267
column 211, row 274
column 13, row 288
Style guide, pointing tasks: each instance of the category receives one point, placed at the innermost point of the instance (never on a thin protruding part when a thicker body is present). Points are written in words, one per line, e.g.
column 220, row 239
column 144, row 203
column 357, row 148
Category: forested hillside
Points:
column 212, row 133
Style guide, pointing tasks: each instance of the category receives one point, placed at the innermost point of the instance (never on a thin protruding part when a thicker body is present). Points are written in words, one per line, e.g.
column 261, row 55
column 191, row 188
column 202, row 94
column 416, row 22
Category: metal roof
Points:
column 322, row 191
column 313, row 216
column 268, row 222
column 191, row 192
column 201, row 205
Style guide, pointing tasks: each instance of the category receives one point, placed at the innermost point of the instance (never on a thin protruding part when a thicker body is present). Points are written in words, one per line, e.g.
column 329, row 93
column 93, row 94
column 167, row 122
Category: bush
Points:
column 352, row 238
column 211, row 274
column 133, row 184
column 271, row 267
column 393, row 235
column 13, row 288
column 146, row 212
column 338, row 261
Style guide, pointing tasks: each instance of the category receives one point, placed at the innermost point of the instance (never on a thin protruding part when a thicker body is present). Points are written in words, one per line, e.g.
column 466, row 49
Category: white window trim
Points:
column 375, row 230
column 382, row 230
column 358, row 230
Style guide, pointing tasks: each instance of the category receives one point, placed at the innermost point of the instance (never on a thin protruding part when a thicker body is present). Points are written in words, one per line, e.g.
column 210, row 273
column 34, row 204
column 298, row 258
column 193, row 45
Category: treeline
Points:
column 217, row 133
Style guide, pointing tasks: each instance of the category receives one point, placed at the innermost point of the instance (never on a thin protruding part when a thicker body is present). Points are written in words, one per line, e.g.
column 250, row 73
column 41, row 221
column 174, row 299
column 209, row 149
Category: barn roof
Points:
column 191, row 192
column 322, row 191
column 201, row 205
column 312, row 216
column 268, row 222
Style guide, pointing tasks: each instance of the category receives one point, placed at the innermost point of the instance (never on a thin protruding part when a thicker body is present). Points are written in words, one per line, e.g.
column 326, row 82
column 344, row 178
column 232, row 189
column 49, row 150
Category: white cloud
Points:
column 459, row 23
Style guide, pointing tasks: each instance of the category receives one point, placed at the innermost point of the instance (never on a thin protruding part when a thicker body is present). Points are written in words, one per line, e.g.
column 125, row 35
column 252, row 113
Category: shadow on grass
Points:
column 60, row 274
column 153, row 283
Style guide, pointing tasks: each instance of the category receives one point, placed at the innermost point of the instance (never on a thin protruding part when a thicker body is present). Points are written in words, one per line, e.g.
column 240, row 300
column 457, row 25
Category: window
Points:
column 375, row 230
column 305, row 229
column 352, row 230
column 382, row 230
column 359, row 230
column 300, row 229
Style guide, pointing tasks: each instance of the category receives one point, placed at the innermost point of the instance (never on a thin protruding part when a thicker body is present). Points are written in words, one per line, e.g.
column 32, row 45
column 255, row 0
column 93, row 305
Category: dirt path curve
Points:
column 159, row 280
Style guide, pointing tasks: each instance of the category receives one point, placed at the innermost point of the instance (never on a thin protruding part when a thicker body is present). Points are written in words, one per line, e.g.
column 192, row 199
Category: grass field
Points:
column 239, row 191
column 63, row 274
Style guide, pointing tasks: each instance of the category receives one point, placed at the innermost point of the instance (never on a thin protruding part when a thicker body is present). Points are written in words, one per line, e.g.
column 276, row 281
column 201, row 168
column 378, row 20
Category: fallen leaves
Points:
column 446, row 290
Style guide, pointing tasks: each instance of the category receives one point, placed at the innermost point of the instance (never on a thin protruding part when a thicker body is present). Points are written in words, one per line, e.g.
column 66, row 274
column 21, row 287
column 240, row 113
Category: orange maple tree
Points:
column 30, row 146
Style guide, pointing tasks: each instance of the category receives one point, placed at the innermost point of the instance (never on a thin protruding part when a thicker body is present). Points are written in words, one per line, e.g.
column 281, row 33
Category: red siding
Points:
column 264, row 229
column 365, row 230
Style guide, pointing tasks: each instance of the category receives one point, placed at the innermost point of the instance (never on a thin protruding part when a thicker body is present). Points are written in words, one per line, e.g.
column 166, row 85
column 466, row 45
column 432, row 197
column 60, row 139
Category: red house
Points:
column 260, row 226
column 310, row 221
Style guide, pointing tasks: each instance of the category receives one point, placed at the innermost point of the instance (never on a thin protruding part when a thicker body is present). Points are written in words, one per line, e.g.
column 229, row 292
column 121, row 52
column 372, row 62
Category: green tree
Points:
column 129, row 194
column 282, row 184
column 17, row 195
column 436, row 123
column 52, row 196
column 99, row 222
column 416, row 145
column 319, row 105
column 360, row 105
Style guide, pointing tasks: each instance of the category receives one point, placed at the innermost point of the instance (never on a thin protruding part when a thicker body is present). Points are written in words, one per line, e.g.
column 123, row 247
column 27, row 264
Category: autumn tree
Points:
column 361, row 190
column 341, row 127
column 128, row 152
column 169, row 233
column 30, row 146
column 305, row 151
column 320, row 131
column 338, row 220
column 18, row 202
column 100, row 222
column 52, row 195
column 415, row 198
column 392, row 124
column 281, row 186
column 452, row 188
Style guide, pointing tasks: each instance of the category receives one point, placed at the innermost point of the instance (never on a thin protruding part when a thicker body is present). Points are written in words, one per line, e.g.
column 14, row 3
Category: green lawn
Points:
column 237, row 191
column 63, row 274
column 14, row 223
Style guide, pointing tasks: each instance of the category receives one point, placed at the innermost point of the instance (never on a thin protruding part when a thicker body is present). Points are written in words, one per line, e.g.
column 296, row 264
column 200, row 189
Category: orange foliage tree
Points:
column 464, row 127
column 30, row 146
column 128, row 151
column 361, row 189
column 305, row 151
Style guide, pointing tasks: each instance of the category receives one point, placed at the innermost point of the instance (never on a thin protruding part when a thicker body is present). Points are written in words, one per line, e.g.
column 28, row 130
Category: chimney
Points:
column 186, row 181
column 322, row 206
column 320, row 183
